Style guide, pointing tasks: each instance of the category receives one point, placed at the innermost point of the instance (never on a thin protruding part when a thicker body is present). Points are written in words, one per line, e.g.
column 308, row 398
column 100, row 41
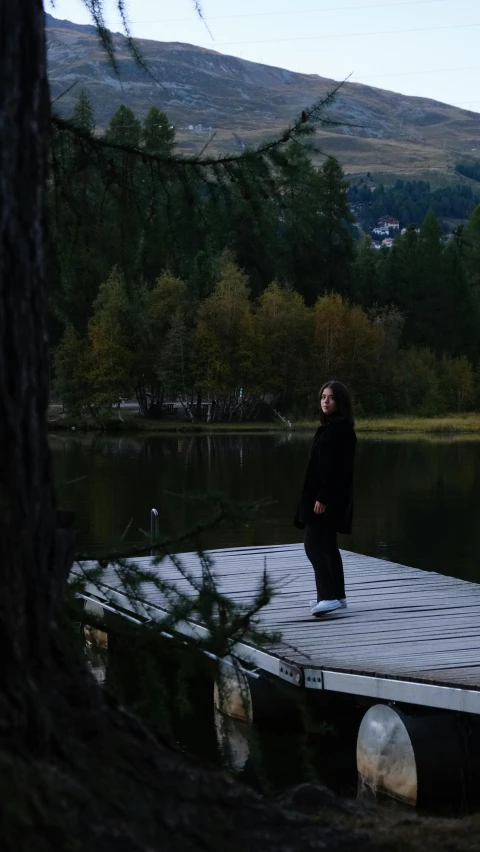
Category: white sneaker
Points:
column 341, row 601
column 325, row 606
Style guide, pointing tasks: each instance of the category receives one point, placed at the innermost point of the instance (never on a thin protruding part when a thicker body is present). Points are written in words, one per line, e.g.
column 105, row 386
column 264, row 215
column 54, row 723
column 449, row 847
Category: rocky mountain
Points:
column 205, row 92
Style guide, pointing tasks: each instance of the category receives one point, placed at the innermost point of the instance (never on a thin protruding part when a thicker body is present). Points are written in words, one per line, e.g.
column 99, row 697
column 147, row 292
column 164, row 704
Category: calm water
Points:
column 417, row 500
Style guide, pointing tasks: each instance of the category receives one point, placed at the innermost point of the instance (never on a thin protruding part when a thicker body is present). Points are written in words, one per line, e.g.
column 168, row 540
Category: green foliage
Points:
column 470, row 237
column 316, row 246
column 242, row 354
column 158, row 137
column 123, row 128
column 282, row 335
column 83, row 113
column 416, row 384
column 70, row 365
column 166, row 341
column 457, row 384
column 237, row 281
column 410, row 201
column 109, row 334
column 334, row 234
column 223, row 339
column 432, row 282
column 469, row 170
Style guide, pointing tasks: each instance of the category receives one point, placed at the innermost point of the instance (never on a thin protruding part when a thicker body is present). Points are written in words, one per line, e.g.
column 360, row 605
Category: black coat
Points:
column 329, row 477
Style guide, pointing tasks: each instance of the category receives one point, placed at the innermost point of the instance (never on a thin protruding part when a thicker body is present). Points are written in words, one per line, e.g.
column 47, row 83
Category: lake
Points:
column 417, row 500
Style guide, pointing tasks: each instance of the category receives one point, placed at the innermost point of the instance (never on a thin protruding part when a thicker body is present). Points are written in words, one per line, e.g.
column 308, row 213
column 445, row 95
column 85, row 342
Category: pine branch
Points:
column 200, row 14
column 65, row 92
column 305, row 124
column 95, row 7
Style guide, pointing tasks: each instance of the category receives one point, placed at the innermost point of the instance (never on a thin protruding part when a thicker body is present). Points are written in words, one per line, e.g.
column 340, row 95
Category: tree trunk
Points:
column 198, row 409
column 35, row 555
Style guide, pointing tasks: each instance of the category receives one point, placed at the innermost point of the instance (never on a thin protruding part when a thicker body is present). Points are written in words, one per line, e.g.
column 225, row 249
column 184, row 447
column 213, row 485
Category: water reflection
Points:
column 417, row 501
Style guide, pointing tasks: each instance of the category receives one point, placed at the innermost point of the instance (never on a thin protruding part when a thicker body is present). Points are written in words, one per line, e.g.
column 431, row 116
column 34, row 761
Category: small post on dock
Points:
column 154, row 525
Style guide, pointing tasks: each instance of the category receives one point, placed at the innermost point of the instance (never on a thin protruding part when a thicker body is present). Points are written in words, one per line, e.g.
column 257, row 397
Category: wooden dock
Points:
column 408, row 635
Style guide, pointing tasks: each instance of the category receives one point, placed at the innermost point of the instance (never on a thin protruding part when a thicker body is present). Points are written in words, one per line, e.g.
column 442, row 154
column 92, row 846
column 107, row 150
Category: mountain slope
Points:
column 244, row 102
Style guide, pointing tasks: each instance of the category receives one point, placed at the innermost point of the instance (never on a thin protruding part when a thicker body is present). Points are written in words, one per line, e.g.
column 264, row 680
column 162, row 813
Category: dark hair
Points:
column 342, row 401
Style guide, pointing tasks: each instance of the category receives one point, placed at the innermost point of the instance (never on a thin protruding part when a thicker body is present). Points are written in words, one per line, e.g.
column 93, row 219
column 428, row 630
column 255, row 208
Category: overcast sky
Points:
column 418, row 47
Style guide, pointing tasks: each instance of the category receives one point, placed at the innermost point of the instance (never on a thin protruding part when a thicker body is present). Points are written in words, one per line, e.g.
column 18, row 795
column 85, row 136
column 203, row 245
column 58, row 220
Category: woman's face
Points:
column 327, row 402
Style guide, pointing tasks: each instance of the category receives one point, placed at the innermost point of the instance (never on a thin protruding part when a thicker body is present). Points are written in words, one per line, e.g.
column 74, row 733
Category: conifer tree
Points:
column 335, row 239
column 158, row 136
column 365, row 280
column 83, row 113
column 124, row 128
column 471, row 236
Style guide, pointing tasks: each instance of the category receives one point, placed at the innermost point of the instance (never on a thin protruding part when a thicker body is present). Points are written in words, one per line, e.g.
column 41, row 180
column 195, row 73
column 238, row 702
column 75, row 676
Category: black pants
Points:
column 322, row 550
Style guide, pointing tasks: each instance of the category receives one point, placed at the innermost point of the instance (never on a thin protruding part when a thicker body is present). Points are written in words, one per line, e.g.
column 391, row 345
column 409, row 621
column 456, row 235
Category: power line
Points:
column 352, row 35
column 359, row 77
column 293, row 12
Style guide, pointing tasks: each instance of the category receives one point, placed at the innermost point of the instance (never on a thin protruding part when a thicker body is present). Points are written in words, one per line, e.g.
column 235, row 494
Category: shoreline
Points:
column 454, row 424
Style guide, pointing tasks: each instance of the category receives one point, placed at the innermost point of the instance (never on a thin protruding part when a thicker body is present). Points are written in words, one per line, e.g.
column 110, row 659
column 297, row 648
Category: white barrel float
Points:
column 96, row 642
column 233, row 714
column 240, row 698
column 419, row 759
column 252, row 695
column 231, row 692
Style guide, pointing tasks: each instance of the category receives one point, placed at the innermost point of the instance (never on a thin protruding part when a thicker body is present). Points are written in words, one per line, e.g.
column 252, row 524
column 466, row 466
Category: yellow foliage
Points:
column 345, row 341
column 167, row 297
column 223, row 333
column 109, row 335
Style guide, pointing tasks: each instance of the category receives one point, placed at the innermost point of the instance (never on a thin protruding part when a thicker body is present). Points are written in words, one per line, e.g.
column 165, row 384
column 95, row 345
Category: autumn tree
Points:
column 167, row 341
column 457, row 383
column 71, row 370
column 344, row 341
column 282, row 343
column 222, row 341
column 111, row 334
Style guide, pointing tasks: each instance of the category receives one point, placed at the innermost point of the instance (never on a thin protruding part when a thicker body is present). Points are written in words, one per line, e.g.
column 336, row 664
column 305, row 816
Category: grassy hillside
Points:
column 244, row 102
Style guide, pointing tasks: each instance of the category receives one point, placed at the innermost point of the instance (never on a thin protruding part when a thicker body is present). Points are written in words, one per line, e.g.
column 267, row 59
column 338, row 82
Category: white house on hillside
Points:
column 389, row 222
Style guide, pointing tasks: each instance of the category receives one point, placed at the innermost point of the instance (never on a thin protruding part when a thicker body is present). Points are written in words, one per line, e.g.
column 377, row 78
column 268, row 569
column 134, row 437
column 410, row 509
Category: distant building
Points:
column 389, row 222
column 388, row 242
column 381, row 232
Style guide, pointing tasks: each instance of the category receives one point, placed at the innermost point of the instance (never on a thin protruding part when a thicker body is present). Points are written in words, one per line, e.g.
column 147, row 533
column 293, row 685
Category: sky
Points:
column 427, row 48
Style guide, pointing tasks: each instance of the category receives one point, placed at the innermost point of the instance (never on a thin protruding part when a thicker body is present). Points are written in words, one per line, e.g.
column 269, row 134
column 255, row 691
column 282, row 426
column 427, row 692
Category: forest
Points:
column 469, row 170
column 248, row 291
column 410, row 201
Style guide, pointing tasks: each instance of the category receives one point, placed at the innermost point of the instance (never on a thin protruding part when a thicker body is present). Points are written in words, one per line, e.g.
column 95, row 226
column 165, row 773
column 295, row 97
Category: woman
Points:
column 326, row 502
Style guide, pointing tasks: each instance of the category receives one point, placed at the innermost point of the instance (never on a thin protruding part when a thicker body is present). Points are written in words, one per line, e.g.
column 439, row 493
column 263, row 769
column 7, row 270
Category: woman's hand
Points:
column 319, row 508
